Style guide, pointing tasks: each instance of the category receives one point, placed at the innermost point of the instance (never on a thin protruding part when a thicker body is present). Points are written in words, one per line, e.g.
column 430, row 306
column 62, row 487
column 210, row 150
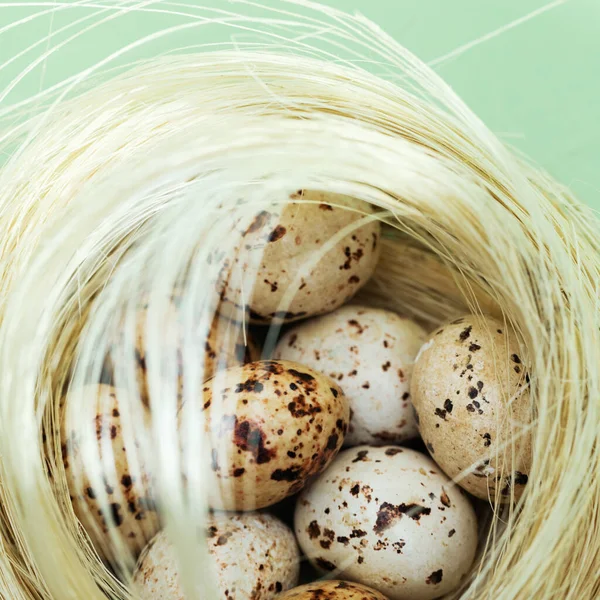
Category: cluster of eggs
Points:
column 330, row 420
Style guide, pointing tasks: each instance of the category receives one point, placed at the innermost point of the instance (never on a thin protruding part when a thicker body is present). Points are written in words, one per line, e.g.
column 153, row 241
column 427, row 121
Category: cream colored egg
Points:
column 255, row 557
column 370, row 352
column 332, row 590
column 387, row 517
column 123, row 503
column 225, row 344
column 471, row 395
column 271, row 425
column 285, row 244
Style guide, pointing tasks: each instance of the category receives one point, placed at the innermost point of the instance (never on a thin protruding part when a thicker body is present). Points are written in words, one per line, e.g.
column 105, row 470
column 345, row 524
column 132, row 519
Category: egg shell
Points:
column 470, row 390
column 131, row 512
column 387, row 517
column 370, row 352
column 271, row 425
column 332, row 590
column 225, row 344
column 255, row 557
column 279, row 243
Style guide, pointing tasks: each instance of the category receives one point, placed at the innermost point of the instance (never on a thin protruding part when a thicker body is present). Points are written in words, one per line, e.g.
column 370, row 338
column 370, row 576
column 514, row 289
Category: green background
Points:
column 535, row 84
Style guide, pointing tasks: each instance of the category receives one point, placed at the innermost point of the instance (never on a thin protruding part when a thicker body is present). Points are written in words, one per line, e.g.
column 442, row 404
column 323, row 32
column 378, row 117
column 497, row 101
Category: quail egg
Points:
column 370, row 353
column 255, row 558
column 387, row 517
column 296, row 274
column 471, row 395
column 271, row 425
column 332, row 590
column 107, row 494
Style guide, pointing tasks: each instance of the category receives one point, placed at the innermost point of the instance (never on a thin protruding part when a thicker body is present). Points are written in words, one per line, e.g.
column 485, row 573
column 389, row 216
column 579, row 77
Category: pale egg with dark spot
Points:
column 307, row 257
column 271, row 425
column 370, row 352
column 332, row 590
column 470, row 389
column 389, row 518
column 255, row 557
column 110, row 492
column 223, row 344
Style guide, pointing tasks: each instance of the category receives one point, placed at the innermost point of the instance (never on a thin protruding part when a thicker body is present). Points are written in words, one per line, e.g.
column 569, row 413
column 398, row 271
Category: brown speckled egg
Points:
column 469, row 389
column 279, row 243
column 225, row 343
column 131, row 510
column 272, row 424
column 389, row 518
column 370, row 352
column 255, row 557
column 332, row 590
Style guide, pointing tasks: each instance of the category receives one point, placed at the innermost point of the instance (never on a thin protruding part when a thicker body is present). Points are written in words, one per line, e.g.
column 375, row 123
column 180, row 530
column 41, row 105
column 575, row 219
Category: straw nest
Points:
column 121, row 193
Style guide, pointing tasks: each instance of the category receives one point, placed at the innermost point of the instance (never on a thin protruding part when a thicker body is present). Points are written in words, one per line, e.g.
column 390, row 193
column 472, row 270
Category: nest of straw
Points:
column 122, row 192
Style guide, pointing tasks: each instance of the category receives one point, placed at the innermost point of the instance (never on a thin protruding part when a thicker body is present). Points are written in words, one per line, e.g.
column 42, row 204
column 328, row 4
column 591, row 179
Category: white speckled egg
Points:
column 225, row 343
column 131, row 509
column 280, row 242
column 389, row 518
column 370, row 352
column 272, row 424
column 255, row 557
column 332, row 590
column 469, row 390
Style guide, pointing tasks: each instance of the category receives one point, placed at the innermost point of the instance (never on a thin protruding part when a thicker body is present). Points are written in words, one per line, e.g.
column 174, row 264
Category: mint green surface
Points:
column 535, row 85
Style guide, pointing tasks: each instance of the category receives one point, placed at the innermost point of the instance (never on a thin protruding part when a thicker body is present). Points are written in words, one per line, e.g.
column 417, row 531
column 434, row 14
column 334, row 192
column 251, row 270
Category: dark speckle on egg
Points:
column 465, row 333
column 314, row 531
column 393, row 451
column 435, row 577
column 250, row 437
column 277, row 233
column 361, row 455
column 290, row 474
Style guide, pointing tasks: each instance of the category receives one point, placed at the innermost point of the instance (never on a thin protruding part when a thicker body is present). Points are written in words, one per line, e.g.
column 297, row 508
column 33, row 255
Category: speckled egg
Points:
column 225, row 343
column 470, row 390
column 280, row 244
column 389, row 518
column 131, row 511
column 256, row 557
column 332, row 590
column 271, row 424
column 370, row 352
